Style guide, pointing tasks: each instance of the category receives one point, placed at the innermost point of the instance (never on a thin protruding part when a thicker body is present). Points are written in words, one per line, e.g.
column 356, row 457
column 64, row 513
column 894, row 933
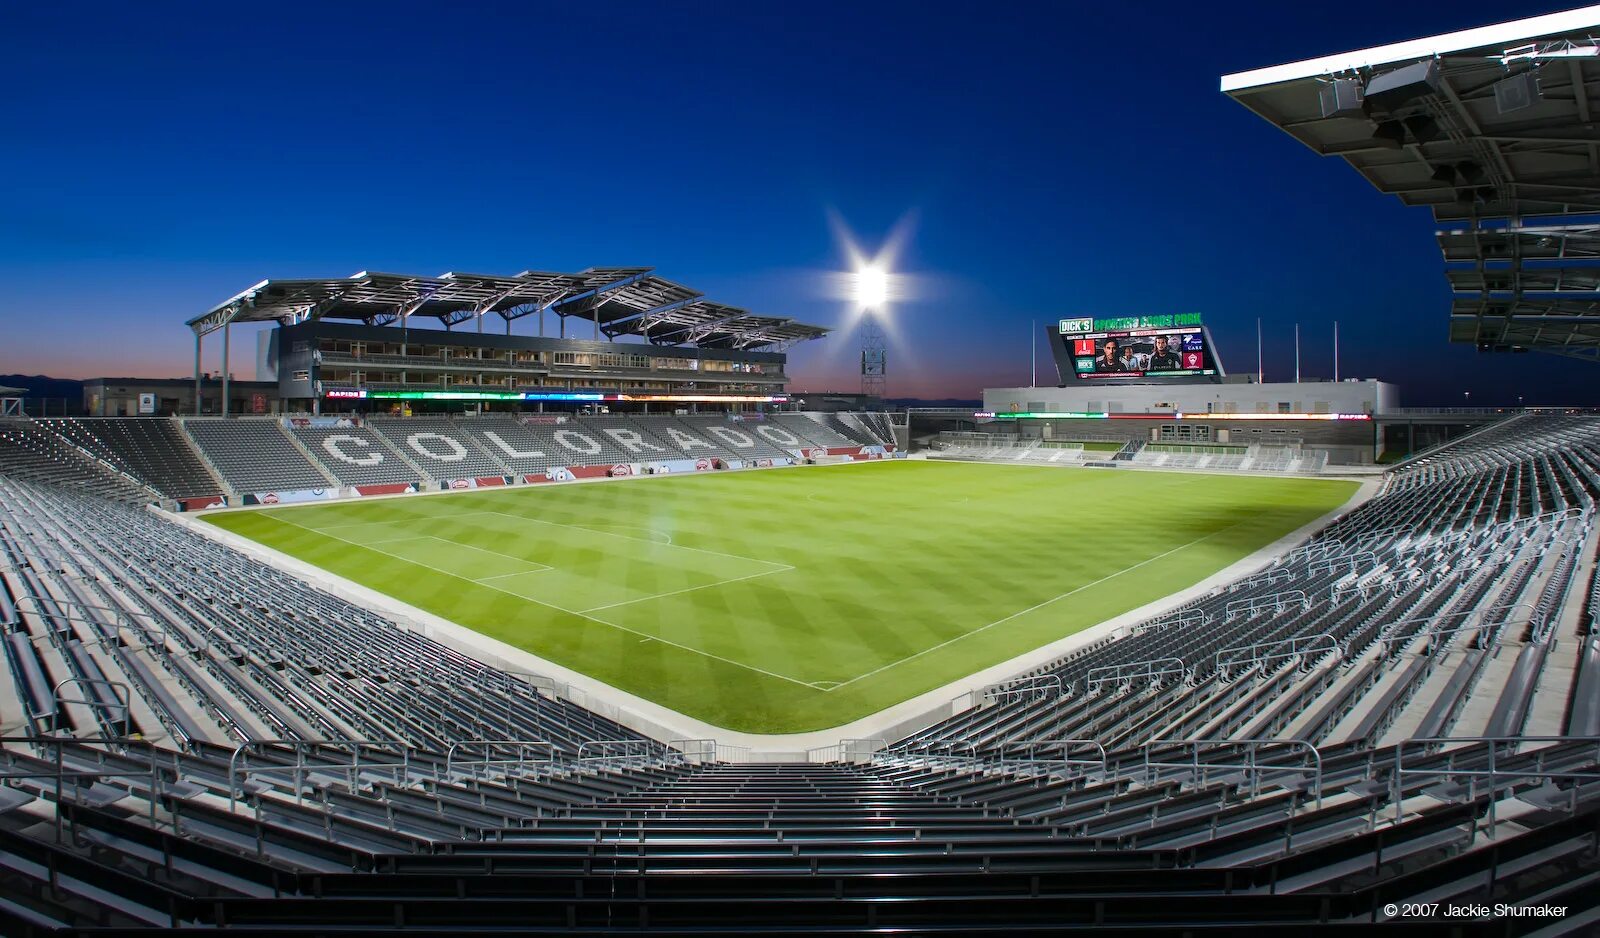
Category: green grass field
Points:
column 797, row 599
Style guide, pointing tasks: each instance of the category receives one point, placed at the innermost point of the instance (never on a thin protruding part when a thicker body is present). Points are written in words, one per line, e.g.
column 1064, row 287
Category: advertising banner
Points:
column 287, row 498
column 386, row 488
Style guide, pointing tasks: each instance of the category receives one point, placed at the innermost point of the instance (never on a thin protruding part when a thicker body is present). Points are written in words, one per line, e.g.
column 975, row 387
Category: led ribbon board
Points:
column 372, row 394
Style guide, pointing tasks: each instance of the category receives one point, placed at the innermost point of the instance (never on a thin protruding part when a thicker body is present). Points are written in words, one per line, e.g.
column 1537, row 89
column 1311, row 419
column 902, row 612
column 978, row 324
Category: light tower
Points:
column 871, row 293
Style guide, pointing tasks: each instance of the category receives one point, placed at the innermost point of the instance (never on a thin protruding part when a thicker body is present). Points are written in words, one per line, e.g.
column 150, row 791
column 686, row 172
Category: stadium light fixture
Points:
column 871, row 286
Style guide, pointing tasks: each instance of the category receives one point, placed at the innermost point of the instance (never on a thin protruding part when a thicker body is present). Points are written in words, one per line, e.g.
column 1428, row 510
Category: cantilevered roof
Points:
column 1494, row 131
column 619, row 300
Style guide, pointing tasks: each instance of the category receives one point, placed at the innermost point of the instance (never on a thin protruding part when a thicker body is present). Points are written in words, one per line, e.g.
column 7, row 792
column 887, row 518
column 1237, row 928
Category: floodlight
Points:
column 872, row 286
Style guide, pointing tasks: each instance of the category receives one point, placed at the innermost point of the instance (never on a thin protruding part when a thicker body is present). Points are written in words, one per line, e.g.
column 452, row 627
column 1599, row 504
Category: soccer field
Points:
column 789, row 600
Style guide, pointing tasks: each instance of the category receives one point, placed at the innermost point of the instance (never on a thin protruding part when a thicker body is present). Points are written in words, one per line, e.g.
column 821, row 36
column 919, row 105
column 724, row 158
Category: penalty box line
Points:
column 538, row 567
column 1023, row 612
column 539, row 602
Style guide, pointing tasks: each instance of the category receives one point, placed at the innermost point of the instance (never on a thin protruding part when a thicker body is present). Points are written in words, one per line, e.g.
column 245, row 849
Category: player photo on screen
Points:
column 1136, row 354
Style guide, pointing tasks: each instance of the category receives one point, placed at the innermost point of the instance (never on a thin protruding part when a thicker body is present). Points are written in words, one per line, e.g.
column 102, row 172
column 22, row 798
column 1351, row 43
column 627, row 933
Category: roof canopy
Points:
column 619, row 300
column 1493, row 130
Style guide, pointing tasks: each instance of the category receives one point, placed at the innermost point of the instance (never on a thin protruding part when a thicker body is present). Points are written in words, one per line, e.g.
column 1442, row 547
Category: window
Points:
column 302, row 376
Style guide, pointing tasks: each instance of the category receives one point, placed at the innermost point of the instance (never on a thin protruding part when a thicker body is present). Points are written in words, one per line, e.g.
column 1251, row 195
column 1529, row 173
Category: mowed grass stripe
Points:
column 482, row 584
column 891, row 578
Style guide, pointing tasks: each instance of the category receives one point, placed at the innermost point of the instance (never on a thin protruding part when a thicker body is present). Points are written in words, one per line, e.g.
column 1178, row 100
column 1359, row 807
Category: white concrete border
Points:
column 663, row 723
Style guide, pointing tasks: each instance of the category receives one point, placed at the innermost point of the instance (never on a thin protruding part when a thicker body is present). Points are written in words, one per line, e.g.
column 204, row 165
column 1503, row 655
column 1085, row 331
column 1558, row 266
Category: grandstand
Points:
column 1148, row 653
column 1402, row 702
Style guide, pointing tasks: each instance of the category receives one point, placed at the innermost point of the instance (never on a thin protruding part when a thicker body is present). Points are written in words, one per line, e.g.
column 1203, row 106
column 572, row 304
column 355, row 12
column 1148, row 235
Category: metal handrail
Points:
column 1327, row 564
column 930, row 748
column 1251, row 605
column 633, row 751
column 124, row 698
column 1258, row 651
column 521, row 761
column 1251, row 766
column 1118, row 672
column 299, row 747
column 60, row 773
column 701, row 749
column 1191, row 616
column 1268, row 576
column 1024, row 687
column 1491, row 772
column 1066, row 745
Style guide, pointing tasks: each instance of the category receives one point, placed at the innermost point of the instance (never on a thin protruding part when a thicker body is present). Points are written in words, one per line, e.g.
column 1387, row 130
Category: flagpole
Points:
column 1261, row 375
column 1336, row 351
column 1296, row 353
column 1033, row 351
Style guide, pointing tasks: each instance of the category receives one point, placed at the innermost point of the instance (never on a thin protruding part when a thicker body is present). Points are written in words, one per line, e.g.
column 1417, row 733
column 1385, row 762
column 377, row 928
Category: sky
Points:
column 1041, row 159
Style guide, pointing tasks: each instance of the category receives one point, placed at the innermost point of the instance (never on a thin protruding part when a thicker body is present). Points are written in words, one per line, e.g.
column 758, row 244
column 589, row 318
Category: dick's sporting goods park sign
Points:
column 1128, row 323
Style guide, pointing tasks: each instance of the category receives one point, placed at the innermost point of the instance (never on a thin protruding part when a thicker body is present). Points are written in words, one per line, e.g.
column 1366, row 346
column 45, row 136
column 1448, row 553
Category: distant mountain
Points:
column 44, row 386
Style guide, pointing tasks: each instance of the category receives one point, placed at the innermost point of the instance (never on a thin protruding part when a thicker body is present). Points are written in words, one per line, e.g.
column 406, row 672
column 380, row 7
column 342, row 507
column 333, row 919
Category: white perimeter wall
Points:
column 1307, row 397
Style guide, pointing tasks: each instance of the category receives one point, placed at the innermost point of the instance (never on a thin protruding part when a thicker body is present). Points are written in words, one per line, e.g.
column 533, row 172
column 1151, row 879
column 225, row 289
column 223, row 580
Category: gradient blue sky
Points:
column 1057, row 159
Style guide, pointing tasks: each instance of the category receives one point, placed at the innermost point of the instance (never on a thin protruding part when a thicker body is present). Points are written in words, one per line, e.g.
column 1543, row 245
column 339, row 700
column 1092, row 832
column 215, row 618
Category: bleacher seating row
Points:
column 238, row 749
column 182, row 459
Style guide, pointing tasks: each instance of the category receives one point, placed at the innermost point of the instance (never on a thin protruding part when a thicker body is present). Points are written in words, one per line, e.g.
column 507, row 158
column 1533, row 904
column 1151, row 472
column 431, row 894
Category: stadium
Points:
column 543, row 603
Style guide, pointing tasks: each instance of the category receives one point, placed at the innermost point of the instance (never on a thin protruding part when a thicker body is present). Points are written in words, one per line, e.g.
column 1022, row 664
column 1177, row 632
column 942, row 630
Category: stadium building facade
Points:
column 621, row 336
column 1337, row 418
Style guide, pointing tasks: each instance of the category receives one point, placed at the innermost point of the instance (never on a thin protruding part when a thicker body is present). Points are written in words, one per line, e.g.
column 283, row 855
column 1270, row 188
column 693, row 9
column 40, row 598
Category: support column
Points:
column 597, row 323
column 197, row 340
column 226, row 330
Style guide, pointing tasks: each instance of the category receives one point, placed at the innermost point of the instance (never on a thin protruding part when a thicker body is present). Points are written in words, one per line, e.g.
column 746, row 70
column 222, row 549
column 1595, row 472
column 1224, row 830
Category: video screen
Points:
column 1141, row 353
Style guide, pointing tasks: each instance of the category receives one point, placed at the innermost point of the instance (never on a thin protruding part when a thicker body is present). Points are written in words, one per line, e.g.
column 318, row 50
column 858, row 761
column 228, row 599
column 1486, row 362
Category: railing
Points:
column 1396, row 584
column 1277, row 602
column 1194, row 616
column 543, row 756
column 1265, row 577
column 1301, row 646
column 1117, row 673
column 1028, row 688
column 1201, row 771
column 932, row 750
column 603, row 753
column 301, row 768
column 698, row 751
column 847, row 750
column 1491, row 773
column 1327, row 564
column 1032, row 760
column 60, row 774
column 1315, row 547
column 93, row 703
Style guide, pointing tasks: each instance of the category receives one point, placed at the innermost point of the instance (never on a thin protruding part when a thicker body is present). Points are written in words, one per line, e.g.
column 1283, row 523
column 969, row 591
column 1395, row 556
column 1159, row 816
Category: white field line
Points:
column 539, row 602
column 538, row 567
column 1071, row 592
column 558, row 524
column 689, row 589
column 502, row 576
column 579, row 527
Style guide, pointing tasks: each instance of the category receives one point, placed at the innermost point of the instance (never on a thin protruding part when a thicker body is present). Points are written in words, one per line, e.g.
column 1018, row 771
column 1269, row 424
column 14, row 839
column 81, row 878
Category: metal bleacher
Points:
column 197, row 740
column 254, row 455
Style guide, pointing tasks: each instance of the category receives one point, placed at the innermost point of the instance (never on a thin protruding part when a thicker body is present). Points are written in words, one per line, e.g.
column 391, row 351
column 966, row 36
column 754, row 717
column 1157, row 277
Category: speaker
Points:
column 1392, row 89
column 1341, row 98
column 1517, row 92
